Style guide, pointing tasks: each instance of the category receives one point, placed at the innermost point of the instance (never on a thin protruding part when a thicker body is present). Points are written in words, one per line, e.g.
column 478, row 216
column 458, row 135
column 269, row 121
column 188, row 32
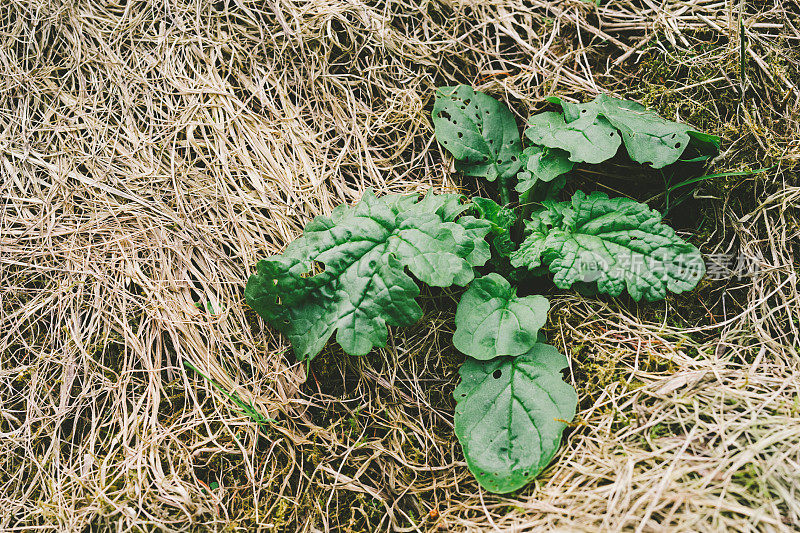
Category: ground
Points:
column 152, row 152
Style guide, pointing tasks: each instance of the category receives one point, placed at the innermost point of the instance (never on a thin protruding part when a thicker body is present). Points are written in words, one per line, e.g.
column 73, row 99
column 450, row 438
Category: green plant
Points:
column 351, row 273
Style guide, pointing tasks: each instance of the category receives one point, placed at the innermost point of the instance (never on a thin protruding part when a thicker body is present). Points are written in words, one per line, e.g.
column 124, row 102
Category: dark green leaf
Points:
column 491, row 321
column 510, row 415
column 479, row 131
column 705, row 144
column 364, row 287
column 617, row 243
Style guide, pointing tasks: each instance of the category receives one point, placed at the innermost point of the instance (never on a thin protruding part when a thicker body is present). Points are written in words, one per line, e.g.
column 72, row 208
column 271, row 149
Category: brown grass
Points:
column 151, row 153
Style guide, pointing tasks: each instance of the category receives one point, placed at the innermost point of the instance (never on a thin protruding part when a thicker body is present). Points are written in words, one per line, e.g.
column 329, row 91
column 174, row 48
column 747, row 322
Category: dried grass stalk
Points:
column 151, row 152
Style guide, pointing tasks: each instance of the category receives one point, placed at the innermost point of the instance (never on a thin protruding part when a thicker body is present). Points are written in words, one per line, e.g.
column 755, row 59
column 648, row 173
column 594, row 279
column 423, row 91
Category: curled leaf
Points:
column 542, row 165
column 502, row 220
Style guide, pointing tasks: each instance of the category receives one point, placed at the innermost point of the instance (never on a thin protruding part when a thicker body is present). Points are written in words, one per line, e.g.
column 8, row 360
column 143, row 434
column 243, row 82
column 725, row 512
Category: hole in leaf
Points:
column 460, row 134
column 514, row 158
column 316, row 267
column 485, row 159
column 583, row 111
column 445, row 115
column 497, row 373
column 611, row 134
column 677, row 145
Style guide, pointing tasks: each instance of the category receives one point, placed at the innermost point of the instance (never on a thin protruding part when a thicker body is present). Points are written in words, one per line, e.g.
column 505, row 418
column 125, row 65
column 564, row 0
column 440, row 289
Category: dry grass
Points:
column 151, row 152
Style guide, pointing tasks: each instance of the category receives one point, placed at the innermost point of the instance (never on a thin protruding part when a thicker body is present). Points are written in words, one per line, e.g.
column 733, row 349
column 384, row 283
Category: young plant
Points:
column 512, row 404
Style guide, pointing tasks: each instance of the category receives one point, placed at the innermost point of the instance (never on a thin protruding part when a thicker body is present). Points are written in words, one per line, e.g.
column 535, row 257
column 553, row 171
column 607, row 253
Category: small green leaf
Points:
column 617, row 243
column 571, row 111
column 705, row 144
column 479, row 131
column 510, row 415
column 492, row 321
column 542, row 164
column 365, row 250
column 502, row 220
column 589, row 138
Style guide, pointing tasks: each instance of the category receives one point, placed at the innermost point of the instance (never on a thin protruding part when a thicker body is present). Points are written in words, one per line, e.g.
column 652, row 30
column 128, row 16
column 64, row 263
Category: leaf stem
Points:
column 525, row 204
column 505, row 191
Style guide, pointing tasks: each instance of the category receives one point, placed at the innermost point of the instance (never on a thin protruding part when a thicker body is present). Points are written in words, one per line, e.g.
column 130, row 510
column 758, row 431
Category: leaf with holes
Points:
column 510, row 415
column 617, row 243
column 648, row 137
column 502, row 220
column 364, row 286
column 479, row 131
column 492, row 321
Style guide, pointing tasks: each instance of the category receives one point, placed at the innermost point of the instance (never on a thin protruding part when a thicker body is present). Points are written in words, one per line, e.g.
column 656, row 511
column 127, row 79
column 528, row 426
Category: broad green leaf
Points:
column 510, row 415
column 617, row 243
column 542, row 164
column 589, row 138
column 648, row 137
column 479, row 131
column 364, row 287
column 502, row 220
column 491, row 321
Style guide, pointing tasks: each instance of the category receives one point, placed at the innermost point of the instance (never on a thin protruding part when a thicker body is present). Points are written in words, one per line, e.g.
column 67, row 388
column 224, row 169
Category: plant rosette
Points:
column 512, row 403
